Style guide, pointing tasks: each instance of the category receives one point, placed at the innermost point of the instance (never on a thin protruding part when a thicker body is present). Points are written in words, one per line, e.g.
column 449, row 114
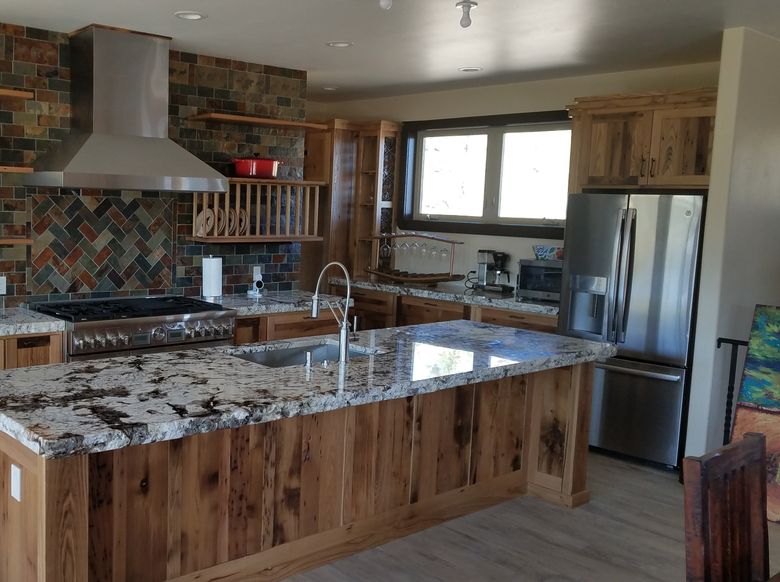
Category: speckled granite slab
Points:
column 467, row 297
column 100, row 405
column 21, row 321
column 276, row 302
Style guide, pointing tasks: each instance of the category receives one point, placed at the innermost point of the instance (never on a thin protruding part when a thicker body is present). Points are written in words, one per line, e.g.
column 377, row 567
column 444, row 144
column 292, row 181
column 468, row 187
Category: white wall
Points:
column 740, row 264
column 513, row 98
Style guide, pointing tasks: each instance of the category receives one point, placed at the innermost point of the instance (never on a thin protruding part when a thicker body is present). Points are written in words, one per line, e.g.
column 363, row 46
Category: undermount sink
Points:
column 323, row 354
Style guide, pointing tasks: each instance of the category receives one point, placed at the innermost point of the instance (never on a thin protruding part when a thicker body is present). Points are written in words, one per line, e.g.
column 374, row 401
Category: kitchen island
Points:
column 197, row 465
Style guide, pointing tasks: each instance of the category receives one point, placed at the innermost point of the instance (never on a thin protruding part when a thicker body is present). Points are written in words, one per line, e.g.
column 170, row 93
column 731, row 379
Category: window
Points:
column 503, row 174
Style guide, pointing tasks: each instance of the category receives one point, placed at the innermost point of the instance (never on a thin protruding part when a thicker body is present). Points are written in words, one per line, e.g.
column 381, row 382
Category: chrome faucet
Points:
column 344, row 322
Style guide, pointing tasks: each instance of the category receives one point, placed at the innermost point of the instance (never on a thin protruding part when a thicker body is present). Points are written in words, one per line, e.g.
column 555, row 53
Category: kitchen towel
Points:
column 212, row 277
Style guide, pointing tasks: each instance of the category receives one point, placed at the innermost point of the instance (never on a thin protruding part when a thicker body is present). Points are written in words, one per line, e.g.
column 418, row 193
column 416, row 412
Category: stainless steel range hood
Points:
column 119, row 136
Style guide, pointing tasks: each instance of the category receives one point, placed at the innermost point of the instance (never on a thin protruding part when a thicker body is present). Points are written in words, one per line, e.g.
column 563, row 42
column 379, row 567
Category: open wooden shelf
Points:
column 16, row 93
column 275, row 182
column 250, row 120
column 15, row 170
column 16, row 241
column 253, row 239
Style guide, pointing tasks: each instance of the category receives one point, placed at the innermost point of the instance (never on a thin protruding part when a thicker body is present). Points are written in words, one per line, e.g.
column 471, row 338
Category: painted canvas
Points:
column 758, row 404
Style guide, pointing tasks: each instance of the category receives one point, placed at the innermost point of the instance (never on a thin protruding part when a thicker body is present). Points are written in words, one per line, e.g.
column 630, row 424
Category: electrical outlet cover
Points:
column 16, row 482
column 2, row 285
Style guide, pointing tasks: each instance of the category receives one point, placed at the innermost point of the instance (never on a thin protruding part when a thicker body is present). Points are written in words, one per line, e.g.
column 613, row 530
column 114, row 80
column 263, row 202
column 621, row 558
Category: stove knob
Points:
column 100, row 342
column 124, row 340
column 190, row 333
column 89, row 343
column 201, row 331
column 158, row 334
column 79, row 343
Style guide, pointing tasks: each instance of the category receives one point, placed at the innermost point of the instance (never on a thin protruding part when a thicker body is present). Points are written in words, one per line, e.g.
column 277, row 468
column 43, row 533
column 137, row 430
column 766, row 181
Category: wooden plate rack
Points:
column 257, row 211
column 388, row 244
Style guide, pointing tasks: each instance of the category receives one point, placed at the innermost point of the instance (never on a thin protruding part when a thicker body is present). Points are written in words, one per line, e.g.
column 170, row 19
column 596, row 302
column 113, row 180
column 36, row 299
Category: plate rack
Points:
column 258, row 211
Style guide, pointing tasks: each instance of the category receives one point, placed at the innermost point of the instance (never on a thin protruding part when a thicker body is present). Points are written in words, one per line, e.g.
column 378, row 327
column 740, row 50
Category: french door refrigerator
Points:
column 629, row 278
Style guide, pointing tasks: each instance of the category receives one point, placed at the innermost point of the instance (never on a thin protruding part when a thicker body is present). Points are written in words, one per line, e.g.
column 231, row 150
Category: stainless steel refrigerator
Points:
column 629, row 277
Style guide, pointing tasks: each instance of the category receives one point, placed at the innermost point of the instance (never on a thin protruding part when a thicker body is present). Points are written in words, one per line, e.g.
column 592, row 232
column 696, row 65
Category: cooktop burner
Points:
column 125, row 308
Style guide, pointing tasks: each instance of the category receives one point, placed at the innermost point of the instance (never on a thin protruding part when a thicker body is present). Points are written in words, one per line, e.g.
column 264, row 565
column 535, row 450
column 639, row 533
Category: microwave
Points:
column 539, row 280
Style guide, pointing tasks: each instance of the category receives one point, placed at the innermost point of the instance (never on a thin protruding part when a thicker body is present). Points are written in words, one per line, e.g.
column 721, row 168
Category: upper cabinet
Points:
column 658, row 139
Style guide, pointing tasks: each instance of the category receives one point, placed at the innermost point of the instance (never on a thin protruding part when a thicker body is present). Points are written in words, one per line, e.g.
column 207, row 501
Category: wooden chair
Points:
column 726, row 536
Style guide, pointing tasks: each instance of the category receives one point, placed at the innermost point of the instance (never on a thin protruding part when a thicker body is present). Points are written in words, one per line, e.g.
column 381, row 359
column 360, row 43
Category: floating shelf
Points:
column 250, row 120
column 16, row 241
column 16, row 94
column 15, row 170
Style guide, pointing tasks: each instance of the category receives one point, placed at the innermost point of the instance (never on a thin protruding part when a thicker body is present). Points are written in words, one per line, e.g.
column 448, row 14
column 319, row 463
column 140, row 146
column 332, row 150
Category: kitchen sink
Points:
column 323, row 354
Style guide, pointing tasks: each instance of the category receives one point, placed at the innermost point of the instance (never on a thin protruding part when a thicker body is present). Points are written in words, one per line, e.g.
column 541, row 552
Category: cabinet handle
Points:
column 652, row 167
column 642, row 167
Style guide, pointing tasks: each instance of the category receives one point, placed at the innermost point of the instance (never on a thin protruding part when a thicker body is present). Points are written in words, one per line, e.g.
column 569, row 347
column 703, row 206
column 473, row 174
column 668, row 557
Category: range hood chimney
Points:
column 119, row 126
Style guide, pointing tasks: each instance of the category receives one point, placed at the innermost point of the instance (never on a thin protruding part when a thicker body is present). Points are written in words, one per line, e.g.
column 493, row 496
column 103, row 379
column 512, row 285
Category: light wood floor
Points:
column 632, row 530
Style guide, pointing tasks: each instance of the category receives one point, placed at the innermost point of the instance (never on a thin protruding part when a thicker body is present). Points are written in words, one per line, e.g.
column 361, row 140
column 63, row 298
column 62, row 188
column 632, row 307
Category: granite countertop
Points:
column 22, row 321
column 272, row 302
column 98, row 405
column 467, row 297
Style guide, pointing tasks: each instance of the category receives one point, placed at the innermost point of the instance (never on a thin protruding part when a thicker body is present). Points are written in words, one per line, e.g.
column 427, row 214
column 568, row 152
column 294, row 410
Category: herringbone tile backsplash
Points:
column 84, row 244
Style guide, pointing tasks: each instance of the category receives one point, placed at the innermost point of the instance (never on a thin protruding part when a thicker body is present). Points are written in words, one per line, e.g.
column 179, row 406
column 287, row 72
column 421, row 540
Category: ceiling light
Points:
column 466, row 6
column 340, row 44
column 330, row 88
column 189, row 15
column 385, row 4
column 470, row 69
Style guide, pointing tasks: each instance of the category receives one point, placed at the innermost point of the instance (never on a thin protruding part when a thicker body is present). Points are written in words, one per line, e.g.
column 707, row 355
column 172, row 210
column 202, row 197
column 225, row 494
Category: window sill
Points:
column 515, row 230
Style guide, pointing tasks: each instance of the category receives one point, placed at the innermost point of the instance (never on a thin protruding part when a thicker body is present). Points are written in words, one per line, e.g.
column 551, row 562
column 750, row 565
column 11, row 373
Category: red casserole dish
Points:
column 256, row 167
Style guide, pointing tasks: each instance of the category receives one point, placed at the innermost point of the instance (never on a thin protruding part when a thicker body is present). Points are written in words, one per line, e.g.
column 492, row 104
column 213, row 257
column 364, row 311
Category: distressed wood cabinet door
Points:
column 681, row 147
column 616, row 148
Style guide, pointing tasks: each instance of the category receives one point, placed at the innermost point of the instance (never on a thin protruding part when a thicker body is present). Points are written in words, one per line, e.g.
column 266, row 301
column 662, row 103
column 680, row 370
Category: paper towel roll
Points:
column 212, row 277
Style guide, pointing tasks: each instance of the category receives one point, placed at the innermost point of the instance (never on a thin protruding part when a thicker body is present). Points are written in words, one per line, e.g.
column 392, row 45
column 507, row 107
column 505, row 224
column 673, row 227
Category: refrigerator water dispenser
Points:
column 588, row 305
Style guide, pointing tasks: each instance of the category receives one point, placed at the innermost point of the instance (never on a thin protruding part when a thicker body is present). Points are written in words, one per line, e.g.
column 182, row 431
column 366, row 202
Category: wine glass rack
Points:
column 427, row 250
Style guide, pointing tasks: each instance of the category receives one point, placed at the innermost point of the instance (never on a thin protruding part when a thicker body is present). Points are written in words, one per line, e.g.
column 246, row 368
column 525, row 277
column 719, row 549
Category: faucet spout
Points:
column 344, row 321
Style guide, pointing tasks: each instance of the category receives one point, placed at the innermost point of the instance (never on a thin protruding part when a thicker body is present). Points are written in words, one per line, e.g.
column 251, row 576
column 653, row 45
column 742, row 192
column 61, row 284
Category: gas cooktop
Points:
column 125, row 308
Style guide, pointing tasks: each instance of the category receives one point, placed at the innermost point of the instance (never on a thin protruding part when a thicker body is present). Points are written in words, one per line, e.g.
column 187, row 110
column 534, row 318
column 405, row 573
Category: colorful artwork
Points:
column 758, row 405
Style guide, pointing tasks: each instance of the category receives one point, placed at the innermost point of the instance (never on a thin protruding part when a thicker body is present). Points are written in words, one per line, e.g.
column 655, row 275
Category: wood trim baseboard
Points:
column 312, row 551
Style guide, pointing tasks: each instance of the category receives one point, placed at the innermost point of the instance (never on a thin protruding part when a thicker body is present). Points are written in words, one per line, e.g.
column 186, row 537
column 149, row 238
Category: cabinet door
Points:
column 250, row 330
column 33, row 350
column 681, row 148
column 530, row 321
column 414, row 311
column 300, row 324
column 616, row 148
column 374, row 309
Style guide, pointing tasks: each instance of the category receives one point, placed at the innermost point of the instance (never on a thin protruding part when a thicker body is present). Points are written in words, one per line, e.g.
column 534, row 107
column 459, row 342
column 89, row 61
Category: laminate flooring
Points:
column 632, row 530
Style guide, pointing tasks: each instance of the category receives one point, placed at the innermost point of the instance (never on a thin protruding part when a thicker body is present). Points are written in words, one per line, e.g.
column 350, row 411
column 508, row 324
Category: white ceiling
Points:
column 418, row 45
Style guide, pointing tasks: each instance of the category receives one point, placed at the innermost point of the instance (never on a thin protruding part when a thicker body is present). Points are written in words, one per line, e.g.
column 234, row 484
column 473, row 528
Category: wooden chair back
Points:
column 725, row 513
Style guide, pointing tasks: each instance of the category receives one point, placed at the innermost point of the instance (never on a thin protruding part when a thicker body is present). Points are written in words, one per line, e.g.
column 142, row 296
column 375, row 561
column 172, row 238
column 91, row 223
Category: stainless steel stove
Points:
column 120, row 326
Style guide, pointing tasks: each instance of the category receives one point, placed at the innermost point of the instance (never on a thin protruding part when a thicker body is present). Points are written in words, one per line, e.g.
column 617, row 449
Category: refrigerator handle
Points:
column 640, row 373
column 624, row 277
column 610, row 334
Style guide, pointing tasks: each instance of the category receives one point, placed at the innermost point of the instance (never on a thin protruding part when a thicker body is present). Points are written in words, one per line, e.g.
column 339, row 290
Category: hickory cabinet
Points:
column 22, row 351
column 652, row 139
column 280, row 326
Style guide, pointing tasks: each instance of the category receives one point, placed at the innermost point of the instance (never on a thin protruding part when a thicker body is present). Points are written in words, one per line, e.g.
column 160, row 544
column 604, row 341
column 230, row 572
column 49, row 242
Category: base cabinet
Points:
column 414, row 311
column 265, row 501
column 30, row 350
column 283, row 326
column 520, row 320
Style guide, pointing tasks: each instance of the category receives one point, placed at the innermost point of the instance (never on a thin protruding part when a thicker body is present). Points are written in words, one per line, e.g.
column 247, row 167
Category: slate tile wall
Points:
column 38, row 60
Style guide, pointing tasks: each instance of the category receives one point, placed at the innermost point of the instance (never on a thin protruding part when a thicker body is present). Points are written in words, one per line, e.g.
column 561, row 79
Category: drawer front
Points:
column 530, row 321
column 415, row 311
column 33, row 350
column 292, row 325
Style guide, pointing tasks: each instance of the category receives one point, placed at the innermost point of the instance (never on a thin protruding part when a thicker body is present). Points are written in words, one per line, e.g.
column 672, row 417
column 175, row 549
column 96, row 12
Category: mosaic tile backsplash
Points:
column 98, row 243
column 59, row 265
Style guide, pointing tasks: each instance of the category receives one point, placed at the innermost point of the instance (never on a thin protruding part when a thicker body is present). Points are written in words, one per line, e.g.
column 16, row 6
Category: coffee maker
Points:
column 491, row 268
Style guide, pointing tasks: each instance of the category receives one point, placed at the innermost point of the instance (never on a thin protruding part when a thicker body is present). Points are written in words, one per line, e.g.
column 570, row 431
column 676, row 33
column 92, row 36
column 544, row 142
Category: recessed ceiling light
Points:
column 189, row 15
column 470, row 69
column 340, row 44
column 330, row 88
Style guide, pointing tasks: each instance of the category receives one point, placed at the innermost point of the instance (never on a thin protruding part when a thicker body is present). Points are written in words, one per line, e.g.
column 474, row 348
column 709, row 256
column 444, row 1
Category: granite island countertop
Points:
column 23, row 321
column 467, row 296
column 271, row 302
column 86, row 407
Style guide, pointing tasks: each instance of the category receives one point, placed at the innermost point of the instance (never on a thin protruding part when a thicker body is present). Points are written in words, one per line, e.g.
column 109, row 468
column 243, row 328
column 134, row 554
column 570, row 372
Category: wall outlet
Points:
column 257, row 273
column 2, row 285
column 16, row 482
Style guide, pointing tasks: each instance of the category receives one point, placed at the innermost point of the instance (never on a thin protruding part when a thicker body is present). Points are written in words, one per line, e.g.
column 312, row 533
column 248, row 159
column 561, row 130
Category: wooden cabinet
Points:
column 414, row 310
column 530, row 321
column 653, row 139
column 282, row 326
column 31, row 350
column 374, row 309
